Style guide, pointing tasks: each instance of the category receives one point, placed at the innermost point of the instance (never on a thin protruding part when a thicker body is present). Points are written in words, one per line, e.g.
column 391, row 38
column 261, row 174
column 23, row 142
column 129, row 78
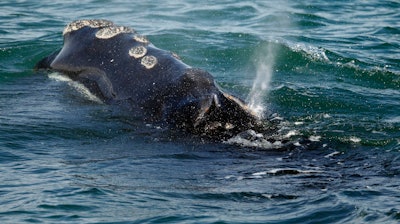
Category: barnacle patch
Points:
column 112, row 31
column 138, row 51
column 93, row 23
column 149, row 61
column 141, row 39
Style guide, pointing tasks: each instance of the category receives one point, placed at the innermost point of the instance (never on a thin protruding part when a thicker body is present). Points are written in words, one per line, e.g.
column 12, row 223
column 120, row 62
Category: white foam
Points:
column 251, row 138
column 355, row 139
column 314, row 138
column 288, row 171
column 395, row 119
column 332, row 154
column 326, row 116
column 291, row 133
column 312, row 52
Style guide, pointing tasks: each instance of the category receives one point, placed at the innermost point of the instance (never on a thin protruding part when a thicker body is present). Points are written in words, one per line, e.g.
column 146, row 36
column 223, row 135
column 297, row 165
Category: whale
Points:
column 122, row 67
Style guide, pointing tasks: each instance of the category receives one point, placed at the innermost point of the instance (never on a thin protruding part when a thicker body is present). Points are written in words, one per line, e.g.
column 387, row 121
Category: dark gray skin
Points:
column 119, row 66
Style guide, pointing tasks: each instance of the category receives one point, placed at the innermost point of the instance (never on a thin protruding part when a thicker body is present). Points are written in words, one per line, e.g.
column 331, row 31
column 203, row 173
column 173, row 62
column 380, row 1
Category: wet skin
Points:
column 121, row 67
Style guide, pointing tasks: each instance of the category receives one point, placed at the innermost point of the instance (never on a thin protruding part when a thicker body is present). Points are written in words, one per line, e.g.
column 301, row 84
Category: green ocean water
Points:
column 327, row 73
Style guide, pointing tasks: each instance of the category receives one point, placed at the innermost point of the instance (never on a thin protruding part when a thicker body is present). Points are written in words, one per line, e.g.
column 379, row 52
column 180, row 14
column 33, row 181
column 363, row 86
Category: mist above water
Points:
column 264, row 61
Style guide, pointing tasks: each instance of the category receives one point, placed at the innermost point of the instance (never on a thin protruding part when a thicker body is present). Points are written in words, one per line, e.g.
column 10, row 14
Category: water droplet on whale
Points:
column 138, row 51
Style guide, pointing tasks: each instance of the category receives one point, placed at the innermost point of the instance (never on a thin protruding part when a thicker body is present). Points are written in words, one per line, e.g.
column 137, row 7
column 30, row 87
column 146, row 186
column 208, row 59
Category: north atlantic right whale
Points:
column 120, row 66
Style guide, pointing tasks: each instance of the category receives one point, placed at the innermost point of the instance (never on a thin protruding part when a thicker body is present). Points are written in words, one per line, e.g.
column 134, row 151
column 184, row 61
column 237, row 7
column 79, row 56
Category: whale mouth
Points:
column 79, row 87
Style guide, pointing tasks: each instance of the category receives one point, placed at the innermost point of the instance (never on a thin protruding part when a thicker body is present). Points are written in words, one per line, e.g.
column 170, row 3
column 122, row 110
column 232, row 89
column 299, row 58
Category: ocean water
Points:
column 326, row 73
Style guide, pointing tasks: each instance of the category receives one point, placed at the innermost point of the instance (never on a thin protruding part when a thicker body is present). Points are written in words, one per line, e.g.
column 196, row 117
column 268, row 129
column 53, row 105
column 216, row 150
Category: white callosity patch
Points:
column 141, row 39
column 138, row 51
column 78, row 24
column 149, row 61
column 112, row 31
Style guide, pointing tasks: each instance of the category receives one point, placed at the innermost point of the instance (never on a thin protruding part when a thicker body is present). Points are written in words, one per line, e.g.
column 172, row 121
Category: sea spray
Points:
column 264, row 60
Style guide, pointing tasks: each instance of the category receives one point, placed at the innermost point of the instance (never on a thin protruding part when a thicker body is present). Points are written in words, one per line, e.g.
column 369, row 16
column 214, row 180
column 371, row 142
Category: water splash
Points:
column 265, row 60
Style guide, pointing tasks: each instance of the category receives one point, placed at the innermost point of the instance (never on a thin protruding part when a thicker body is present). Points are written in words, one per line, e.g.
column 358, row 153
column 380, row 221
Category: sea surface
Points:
column 326, row 74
